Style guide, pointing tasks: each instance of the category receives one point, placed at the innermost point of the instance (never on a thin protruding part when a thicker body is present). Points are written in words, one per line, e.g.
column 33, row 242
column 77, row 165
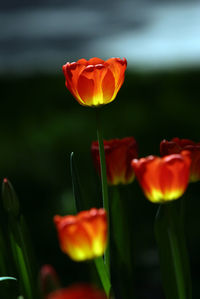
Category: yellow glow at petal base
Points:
column 95, row 82
column 83, row 236
column 157, row 197
column 118, row 154
column 163, row 179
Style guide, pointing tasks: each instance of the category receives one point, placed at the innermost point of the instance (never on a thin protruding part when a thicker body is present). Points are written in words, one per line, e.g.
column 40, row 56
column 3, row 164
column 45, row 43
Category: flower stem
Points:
column 103, row 274
column 121, row 249
column 176, row 255
column 103, row 182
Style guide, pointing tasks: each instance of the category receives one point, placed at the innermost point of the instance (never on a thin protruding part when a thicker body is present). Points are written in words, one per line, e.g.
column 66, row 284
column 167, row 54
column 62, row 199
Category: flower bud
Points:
column 9, row 198
column 49, row 280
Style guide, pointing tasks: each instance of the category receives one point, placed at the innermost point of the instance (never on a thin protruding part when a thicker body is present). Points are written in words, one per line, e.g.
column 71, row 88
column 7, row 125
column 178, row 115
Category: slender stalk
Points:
column 22, row 259
column 121, row 228
column 185, row 255
column 102, row 162
column 19, row 241
column 121, row 249
column 103, row 182
column 22, row 268
column 103, row 274
column 176, row 255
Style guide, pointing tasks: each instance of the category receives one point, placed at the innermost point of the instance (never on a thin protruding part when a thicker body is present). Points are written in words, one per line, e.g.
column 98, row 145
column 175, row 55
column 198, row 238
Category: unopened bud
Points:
column 9, row 198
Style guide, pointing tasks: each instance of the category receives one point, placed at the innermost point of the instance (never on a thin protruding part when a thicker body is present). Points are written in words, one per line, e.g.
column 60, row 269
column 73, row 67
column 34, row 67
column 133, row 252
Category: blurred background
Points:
column 41, row 124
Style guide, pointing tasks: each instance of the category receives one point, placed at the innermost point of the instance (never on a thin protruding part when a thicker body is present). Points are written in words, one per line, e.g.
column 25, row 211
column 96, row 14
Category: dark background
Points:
column 41, row 123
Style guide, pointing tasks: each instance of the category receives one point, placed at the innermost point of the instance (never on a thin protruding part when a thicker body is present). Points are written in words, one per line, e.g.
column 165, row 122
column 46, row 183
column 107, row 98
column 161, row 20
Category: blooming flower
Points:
column 163, row 179
column 118, row 153
column 81, row 291
column 83, row 236
column 176, row 145
column 95, row 82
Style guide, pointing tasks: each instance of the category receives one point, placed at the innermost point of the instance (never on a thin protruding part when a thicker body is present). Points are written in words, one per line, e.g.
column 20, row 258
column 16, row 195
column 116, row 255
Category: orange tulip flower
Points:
column 81, row 291
column 83, row 236
column 95, row 82
column 119, row 154
column 163, row 179
column 176, row 145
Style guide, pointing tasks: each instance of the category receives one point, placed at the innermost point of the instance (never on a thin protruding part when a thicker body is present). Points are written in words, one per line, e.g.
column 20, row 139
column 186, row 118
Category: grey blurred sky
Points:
column 43, row 35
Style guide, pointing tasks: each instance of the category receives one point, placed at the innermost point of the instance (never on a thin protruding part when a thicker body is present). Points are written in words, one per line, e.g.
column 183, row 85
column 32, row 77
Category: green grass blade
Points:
column 76, row 185
column 173, row 252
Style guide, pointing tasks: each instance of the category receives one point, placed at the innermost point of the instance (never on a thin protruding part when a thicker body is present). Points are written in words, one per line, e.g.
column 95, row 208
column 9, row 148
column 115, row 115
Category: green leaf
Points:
column 166, row 264
column 121, row 252
column 76, row 185
column 19, row 239
column 80, row 206
column 103, row 274
column 173, row 254
column 8, row 287
column 7, row 278
column 104, row 184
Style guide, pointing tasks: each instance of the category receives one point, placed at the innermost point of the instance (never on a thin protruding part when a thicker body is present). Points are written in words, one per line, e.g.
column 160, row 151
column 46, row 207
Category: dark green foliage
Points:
column 41, row 124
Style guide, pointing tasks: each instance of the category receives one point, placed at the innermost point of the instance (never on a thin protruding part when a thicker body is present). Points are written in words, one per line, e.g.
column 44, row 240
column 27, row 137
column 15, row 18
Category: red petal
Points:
column 85, row 89
column 82, row 61
column 108, row 86
column 95, row 60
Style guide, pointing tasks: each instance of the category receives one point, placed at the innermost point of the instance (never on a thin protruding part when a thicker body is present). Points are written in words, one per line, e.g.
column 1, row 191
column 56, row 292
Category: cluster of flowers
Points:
column 94, row 83
column 162, row 179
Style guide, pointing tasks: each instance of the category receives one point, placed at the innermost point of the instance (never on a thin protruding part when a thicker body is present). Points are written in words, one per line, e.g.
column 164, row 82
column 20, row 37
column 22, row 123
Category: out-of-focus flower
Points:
column 83, row 236
column 49, row 280
column 119, row 154
column 176, row 145
column 163, row 179
column 95, row 82
column 81, row 291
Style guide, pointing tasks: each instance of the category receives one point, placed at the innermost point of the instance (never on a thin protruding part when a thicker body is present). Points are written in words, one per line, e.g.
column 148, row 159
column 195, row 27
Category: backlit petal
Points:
column 118, row 154
column 94, row 82
column 83, row 236
column 176, row 145
column 108, row 86
column 163, row 179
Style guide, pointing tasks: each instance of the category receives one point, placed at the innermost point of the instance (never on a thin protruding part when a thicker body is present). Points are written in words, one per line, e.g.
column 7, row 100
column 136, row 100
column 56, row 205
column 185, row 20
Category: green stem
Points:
column 103, row 274
column 103, row 182
column 103, row 163
column 121, row 248
column 185, row 255
column 176, row 255
column 120, row 226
